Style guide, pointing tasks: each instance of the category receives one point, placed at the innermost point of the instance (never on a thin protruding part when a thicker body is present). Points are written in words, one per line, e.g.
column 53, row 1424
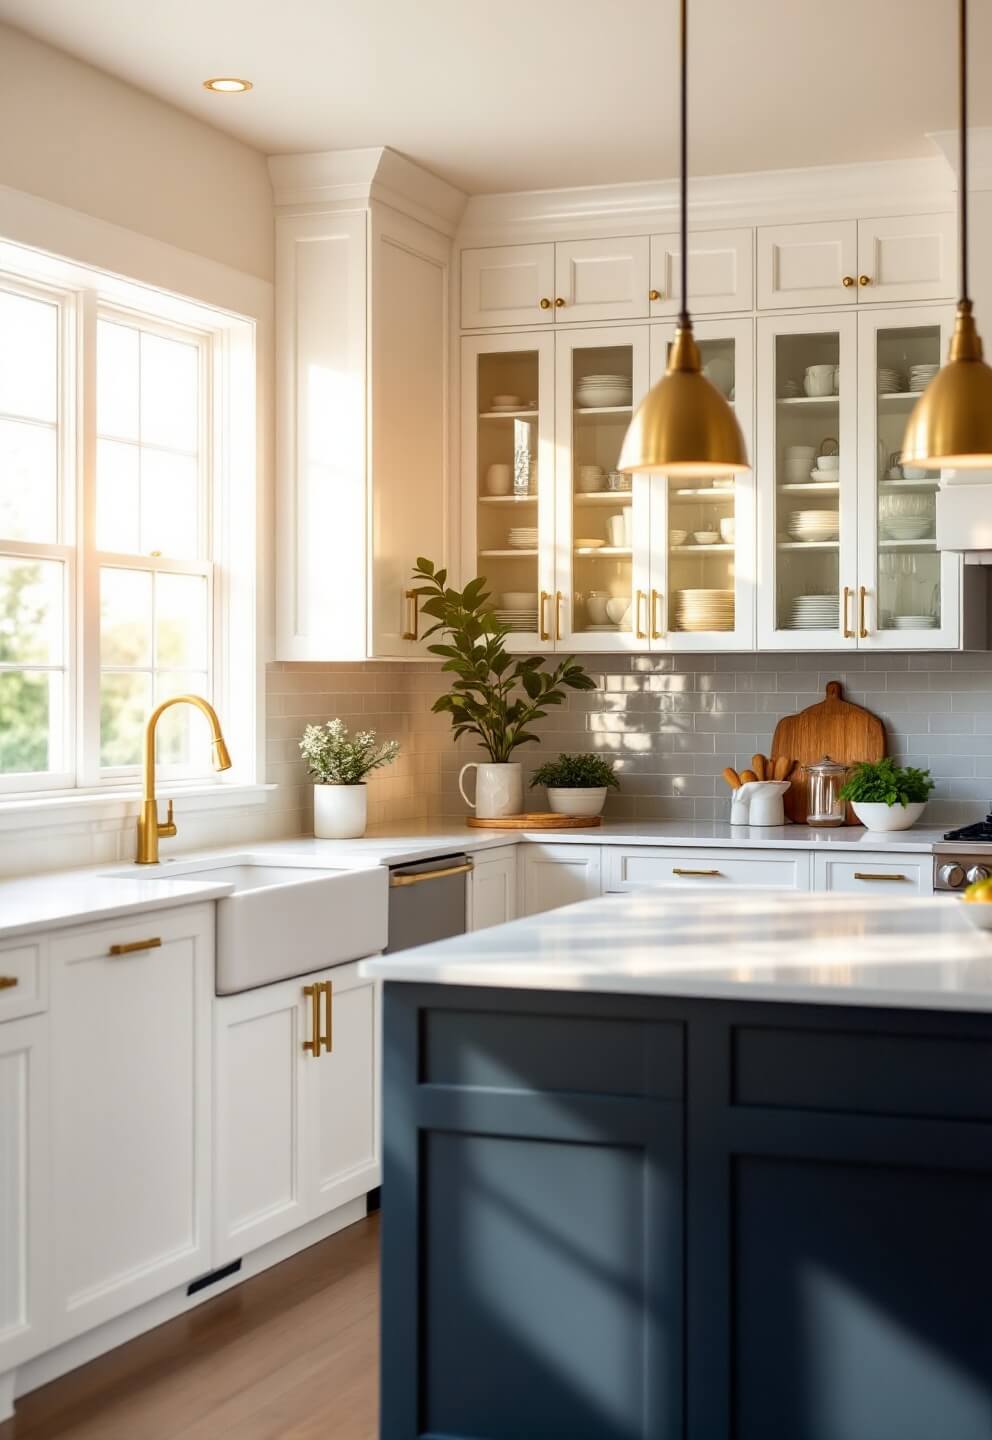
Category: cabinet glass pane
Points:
column 702, row 534
column 602, row 506
column 908, row 562
column 808, row 385
column 507, row 484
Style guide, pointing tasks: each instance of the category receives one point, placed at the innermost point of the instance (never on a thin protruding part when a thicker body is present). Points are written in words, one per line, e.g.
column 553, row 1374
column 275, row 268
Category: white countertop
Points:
column 823, row 949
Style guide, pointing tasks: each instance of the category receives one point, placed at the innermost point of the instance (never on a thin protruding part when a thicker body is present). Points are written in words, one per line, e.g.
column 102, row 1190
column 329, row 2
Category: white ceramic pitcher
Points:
column 759, row 802
column 499, row 788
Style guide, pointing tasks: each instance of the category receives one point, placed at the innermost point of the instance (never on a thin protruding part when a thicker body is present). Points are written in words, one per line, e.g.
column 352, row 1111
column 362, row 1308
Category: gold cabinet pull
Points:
column 848, row 281
column 639, row 600
column 328, row 989
column 864, row 279
column 656, row 633
column 559, row 303
column 867, row 875
column 862, row 630
column 312, row 992
column 7, row 982
column 559, row 597
column 543, row 630
column 396, row 882
column 131, row 947
column 545, row 303
column 411, row 598
column 654, row 294
column 846, row 631
column 697, row 874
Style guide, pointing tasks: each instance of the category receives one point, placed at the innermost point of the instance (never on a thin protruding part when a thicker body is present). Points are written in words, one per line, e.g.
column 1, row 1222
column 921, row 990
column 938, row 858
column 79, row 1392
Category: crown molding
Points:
column 820, row 192
column 979, row 155
column 344, row 177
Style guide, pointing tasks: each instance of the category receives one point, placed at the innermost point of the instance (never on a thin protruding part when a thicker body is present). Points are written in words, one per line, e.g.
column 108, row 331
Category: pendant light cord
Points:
column 684, row 321
column 962, row 143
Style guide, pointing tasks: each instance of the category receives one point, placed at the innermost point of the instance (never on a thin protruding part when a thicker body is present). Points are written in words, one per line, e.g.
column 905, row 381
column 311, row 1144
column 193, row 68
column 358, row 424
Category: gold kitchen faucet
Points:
column 149, row 828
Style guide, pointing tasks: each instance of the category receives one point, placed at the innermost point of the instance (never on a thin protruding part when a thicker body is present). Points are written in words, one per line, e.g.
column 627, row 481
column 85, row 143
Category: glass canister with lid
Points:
column 824, row 780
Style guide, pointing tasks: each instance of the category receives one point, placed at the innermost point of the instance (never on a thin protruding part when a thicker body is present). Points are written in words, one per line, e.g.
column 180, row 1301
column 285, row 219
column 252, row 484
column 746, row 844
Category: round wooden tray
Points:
column 540, row 820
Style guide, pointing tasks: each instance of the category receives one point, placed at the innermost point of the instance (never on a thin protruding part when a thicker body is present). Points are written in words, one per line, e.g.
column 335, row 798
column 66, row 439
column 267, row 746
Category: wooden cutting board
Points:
column 833, row 727
column 540, row 820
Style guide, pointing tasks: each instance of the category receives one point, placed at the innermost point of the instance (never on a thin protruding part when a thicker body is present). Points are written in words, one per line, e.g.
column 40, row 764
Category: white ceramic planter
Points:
column 499, row 789
column 565, row 800
column 888, row 817
column 340, row 812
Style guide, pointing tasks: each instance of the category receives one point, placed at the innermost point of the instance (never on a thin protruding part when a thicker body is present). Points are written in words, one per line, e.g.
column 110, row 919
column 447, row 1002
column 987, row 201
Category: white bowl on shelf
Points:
column 618, row 609
column 706, row 537
column 881, row 818
column 677, row 537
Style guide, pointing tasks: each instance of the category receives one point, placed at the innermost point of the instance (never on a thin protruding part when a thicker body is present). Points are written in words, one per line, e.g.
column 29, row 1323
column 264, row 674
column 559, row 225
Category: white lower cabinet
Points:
column 492, row 889
column 130, row 1119
column 879, row 873
column 24, row 1189
column 554, row 875
column 642, row 867
column 297, row 1134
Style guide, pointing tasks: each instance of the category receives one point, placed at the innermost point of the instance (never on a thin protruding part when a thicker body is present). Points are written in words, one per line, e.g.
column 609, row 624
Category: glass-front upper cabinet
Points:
column 808, row 487
column 702, row 546
column 508, row 458
column 601, row 598
column 908, row 592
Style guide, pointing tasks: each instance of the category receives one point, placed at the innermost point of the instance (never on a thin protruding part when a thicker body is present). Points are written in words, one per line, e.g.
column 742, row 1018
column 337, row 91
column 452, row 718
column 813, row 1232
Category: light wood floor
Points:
column 292, row 1353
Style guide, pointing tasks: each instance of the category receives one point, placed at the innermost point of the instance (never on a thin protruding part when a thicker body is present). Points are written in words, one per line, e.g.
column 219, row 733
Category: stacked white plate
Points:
column 890, row 381
column 704, row 610
column 920, row 376
column 814, row 525
column 595, row 392
column 915, row 622
column 813, row 612
column 908, row 527
column 522, row 537
column 518, row 619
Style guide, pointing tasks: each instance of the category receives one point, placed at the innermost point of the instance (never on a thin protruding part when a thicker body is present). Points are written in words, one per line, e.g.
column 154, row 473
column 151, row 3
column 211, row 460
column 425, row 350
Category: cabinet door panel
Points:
column 721, row 272
column 344, row 1102
column 505, row 284
column 259, row 1065
column 492, row 891
column 555, row 875
column 880, row 874
column 25, row 1240
column 807, row 264
column 907, row 257
column 651, row 867
column 131, row 1114
column 602, row 279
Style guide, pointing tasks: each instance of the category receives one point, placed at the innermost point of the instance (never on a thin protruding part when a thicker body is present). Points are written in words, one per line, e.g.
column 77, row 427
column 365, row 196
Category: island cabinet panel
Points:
column 713, row 1220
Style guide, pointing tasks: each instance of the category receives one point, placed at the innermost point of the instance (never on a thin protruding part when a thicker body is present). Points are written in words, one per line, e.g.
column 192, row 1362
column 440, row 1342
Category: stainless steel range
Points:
column 964, row 855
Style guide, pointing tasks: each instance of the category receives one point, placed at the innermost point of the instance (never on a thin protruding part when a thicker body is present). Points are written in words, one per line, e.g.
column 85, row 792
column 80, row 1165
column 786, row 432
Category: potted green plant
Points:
column 339, row 765
column 495, row 696
column 886, row 796
column 577, row 784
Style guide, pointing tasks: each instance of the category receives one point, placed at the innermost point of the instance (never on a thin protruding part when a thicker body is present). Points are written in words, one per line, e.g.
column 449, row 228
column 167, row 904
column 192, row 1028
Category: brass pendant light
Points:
column 951, row 423
column 684, row 426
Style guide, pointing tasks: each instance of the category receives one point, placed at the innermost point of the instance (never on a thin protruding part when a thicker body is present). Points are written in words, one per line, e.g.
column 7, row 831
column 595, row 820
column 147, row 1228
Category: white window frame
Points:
column 229, row 542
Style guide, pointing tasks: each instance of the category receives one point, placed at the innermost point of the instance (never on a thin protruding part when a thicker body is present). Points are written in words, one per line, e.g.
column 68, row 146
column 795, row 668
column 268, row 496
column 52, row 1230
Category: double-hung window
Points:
column 109, row 518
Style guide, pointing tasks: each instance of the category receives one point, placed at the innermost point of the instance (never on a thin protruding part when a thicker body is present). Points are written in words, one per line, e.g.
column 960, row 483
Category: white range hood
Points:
column 964, row 514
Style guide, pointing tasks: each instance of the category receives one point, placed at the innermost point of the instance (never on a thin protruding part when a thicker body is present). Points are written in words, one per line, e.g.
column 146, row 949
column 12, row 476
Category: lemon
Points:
column 980, row 891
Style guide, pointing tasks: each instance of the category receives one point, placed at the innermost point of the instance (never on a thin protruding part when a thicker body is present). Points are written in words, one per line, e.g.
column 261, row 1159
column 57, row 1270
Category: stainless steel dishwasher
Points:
column 427, row 901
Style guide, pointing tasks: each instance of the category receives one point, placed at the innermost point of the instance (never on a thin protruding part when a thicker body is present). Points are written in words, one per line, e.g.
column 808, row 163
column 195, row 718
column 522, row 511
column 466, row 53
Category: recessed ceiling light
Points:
column 227, row 84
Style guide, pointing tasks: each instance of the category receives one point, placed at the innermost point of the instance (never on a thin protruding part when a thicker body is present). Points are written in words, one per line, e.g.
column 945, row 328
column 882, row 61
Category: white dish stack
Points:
column 523, row 537
column 813, row 612
column 814, row 526
column 697, row 610
column 920, row 377
column 600, row 392
column 890, row 380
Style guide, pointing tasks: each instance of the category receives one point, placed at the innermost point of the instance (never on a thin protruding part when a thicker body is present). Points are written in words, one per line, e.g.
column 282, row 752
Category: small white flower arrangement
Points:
column 338, row 764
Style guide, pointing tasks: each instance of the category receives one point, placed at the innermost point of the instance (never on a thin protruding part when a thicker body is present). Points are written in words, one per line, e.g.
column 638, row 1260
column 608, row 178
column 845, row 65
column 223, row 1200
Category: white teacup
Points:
column 499, row 479
column 728, row 530
column 618, row 532
column 819, row 380
column 828, row 462
column 800, row 454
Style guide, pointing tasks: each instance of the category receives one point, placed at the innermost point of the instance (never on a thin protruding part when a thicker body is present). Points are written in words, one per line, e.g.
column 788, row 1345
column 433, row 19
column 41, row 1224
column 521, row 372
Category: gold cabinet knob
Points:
column 848, row 281
column 545, row 303
column 864, row 279
column 654, row 294
column 559, row 303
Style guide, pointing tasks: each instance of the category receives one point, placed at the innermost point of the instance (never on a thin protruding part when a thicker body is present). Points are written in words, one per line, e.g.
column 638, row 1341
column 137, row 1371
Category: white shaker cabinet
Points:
column 884, row 873
column 641, row 867
column 25, row 1189
column 131, row 1123
column 907, row 257
column 554, row 875
column 721, row 272
column 602, row 279
column 508, row 285
column 848, row 262
column 810, row 264
column 297, row 1133
column 492, row 889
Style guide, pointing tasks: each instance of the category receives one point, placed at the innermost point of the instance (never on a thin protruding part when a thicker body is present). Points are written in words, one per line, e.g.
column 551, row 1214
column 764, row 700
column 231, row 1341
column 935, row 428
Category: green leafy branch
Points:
column 882, row 782
column 496, row 696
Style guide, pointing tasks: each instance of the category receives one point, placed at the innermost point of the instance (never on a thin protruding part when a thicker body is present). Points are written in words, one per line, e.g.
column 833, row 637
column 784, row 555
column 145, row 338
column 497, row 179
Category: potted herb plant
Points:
column 339, row 765
column 495, row 696
column 886, row 796
column 577, row 784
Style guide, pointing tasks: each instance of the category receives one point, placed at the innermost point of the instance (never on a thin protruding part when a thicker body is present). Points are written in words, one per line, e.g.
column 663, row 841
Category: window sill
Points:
column 84, row 807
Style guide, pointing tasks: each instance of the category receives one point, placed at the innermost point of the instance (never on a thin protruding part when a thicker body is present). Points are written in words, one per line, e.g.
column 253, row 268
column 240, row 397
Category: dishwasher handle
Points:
column 398, row 878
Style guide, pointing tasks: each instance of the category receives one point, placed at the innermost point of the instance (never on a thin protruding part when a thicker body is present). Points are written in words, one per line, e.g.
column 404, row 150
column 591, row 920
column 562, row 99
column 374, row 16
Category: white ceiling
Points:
column 520, row 94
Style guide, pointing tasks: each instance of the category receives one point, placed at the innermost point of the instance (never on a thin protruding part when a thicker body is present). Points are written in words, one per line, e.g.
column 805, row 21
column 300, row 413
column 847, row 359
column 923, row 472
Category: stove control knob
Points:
column 951, row 876
column 977, row 872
